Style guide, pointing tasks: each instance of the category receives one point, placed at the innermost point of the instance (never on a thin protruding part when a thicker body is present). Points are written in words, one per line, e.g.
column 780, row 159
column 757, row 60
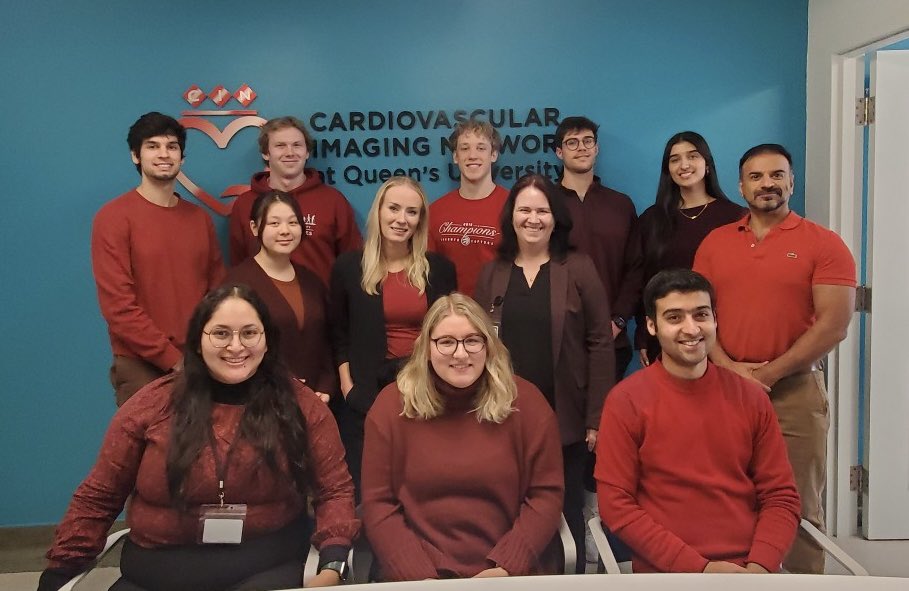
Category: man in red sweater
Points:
column 331, row 229
column 154, row 256
column 464, row 223
column 692, row 471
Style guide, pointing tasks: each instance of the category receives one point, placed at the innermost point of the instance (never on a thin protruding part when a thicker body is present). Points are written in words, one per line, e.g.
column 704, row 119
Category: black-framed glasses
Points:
column 448, row 345
column 250, row 336
column 574, row 143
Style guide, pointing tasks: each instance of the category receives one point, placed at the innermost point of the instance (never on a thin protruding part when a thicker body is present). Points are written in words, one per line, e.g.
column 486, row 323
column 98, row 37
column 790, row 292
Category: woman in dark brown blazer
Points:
column 552, row 313
column 295, row 296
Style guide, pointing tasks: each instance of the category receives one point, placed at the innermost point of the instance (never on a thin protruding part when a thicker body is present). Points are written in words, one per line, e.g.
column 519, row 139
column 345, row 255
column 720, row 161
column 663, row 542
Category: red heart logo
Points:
column 221, row 139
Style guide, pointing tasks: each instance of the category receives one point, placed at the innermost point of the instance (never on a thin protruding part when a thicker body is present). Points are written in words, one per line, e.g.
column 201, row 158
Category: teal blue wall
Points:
column 77, row 74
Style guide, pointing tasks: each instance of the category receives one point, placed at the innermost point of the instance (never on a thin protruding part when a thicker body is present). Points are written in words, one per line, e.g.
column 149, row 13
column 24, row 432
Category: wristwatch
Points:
column 339, row 566
column 619, row 321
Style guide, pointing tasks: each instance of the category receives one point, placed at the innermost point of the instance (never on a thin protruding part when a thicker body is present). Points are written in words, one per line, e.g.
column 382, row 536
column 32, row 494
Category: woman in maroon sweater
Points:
column 296, row 298
column 689, row 205
column 218, row 460
column 462, row 469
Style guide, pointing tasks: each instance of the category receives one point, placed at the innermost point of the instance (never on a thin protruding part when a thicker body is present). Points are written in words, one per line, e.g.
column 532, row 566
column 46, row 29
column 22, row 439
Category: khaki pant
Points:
column 800, row 402
column 129, row 374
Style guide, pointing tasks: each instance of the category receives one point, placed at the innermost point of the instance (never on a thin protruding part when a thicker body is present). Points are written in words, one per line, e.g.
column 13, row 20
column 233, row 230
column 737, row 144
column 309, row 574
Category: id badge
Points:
column 221, row 524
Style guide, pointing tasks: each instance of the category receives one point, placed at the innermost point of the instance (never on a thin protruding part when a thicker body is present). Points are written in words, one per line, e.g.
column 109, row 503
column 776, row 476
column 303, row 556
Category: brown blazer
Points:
column 583, row 356
column 306, row 351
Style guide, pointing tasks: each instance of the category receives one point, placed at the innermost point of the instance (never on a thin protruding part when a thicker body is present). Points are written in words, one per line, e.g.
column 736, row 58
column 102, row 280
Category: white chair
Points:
column 112, row 540
column 569, row 549
column 837, row 553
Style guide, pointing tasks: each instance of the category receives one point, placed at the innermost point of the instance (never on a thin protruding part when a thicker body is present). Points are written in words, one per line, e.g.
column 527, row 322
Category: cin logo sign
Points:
column 240, row 118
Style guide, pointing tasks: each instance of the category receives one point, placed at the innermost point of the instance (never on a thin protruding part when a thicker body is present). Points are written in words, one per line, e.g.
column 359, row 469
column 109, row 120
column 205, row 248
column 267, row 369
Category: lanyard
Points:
column 221, row 469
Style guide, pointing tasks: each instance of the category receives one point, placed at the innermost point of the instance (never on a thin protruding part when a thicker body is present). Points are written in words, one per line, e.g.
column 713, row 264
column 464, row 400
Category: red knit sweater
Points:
column 451, row 496
column 691, row 471
column 152, row 265
column 328, row 218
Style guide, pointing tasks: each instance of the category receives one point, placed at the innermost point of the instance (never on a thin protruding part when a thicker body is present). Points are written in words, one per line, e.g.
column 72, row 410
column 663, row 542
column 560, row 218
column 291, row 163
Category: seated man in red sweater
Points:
column 691, row 469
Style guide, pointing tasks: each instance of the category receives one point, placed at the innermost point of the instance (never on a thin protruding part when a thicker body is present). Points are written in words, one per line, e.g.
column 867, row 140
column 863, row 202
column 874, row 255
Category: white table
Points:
column 652, row 582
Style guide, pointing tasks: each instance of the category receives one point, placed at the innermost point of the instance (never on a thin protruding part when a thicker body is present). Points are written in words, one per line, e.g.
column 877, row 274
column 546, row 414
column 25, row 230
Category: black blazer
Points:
column 582, row 347
column 358, row 321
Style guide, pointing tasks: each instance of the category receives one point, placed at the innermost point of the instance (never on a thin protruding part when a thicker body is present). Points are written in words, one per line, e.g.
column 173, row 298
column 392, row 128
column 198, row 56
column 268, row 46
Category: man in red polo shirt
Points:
column 785, row 295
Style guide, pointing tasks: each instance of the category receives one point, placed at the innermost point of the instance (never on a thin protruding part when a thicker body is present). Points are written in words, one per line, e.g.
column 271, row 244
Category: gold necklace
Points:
column 698, row 214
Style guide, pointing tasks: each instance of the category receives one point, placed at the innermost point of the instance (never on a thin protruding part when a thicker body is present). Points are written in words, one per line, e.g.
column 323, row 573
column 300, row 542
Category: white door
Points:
column 886, row 500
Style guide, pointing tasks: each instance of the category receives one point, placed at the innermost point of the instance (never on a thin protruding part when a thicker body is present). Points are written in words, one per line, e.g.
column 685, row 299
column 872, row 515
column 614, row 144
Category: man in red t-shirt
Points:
column 785, row 296
column 464, row 223
column 331, row 228
column 154, row 256
column 691, row 466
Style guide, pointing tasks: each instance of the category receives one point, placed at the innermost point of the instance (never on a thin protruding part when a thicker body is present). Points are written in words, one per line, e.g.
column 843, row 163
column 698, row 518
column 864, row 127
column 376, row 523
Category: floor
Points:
column 888, row 558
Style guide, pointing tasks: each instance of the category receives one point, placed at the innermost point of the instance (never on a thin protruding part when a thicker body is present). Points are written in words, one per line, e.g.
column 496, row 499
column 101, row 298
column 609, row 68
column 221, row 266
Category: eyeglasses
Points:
column 222, row 337
column 574, row 143
column 448, row 345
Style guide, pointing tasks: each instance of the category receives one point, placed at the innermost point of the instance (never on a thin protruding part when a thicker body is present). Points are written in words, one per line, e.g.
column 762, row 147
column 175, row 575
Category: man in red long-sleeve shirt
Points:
column 692, row 471
column 154, row 256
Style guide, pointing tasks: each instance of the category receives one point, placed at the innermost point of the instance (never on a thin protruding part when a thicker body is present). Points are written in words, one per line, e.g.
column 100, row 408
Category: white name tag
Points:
column 222, row 525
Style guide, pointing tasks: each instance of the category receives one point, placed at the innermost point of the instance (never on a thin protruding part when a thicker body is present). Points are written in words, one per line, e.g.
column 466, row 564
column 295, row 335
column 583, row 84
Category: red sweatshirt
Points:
column 330, row 225
column 691, row 471
column 152, row 265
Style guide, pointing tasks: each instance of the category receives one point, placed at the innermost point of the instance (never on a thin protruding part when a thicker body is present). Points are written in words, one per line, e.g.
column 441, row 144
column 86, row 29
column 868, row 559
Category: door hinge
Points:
column 864, row 111
column 863, row 298
column 858, row 479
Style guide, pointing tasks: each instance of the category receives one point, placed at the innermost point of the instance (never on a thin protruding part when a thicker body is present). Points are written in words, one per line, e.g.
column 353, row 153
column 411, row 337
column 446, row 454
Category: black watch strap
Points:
column 339, row 566
column 619, row 321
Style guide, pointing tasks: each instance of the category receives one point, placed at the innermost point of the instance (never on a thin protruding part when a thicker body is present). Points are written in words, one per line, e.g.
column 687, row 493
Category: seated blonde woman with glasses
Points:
column 462, row 468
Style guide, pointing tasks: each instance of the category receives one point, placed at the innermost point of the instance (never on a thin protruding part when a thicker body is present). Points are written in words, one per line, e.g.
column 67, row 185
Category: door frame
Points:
column 846, row 160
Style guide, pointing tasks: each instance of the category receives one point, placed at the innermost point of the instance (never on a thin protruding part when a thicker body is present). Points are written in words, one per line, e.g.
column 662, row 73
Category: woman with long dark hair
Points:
column 552, row 313
column 296, row 298
column 218, row 460
column 379, row 296
column 462, row 475
column 689, row 205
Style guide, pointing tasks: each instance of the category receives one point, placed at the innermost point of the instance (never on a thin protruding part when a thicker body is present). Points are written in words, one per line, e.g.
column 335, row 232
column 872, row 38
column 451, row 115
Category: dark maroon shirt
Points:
column 606, row 230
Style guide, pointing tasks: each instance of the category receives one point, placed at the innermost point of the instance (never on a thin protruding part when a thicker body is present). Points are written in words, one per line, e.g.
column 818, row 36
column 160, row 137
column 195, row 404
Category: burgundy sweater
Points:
column 328, row 218
column 690, row 471
column 152, row 265
column 306, row 350
column 450, row 497
column 133, row 458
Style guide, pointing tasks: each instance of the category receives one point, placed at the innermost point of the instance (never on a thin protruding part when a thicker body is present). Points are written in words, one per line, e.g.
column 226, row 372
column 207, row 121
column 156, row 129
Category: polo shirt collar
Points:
column 792, row 221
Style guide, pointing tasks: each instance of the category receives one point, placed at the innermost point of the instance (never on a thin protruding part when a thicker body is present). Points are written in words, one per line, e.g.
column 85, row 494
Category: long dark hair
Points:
column 669, row 197
column 272, row 419
column 561, row 217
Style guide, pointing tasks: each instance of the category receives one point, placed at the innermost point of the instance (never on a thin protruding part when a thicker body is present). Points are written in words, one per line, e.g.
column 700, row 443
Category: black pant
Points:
column 351, row 422
column 272, row 561
column 574, row 459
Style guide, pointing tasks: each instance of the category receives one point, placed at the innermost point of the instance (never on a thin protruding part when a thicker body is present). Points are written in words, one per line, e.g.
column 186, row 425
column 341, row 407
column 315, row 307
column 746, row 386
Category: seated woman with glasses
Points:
column 462, row 471
column 553, row 315
column 296, row 297
column 218, row 460
column 378, row 298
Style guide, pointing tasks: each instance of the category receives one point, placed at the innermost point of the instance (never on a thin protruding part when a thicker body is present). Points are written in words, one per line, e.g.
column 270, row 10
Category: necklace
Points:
column 698, row 214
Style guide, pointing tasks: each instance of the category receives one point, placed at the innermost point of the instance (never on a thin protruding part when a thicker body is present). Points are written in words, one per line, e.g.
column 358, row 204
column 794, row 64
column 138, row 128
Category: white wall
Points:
column 836, row 27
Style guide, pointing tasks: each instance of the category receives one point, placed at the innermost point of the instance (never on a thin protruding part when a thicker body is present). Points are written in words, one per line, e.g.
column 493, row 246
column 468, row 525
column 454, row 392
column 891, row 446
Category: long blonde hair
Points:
column 497, row 391
column 373, row 261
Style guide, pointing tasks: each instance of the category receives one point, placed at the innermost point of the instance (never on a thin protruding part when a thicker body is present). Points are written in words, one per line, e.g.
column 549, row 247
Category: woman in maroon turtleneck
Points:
column 462, row 469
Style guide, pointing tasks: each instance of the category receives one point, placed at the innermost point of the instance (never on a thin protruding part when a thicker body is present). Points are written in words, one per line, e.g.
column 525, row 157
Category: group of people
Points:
column 330, row 370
